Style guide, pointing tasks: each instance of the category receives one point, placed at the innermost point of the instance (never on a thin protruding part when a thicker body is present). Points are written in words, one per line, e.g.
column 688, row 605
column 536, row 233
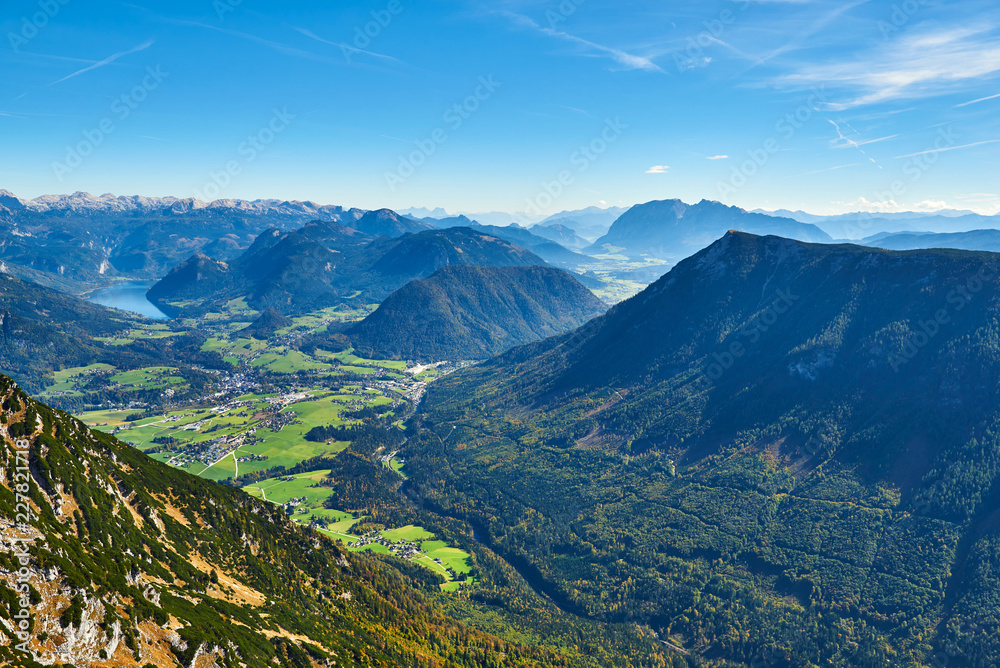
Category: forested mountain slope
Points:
column 325, row 264
column 466, row 313
column 778, row 447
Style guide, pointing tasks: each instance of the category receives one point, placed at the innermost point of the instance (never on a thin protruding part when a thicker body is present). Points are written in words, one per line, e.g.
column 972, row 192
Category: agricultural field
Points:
column 149, row 378
column 288, row 362
column 150, row 331
column 259, row 420
column 397, row 464
column 317, row 321
column 250, row 433
column 67, row 381
column 71, row 382
column 304, row 496
column 239, row 347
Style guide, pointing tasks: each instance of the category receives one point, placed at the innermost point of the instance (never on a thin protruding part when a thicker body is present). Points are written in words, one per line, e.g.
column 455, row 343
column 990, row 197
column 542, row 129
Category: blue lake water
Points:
column 128, row 297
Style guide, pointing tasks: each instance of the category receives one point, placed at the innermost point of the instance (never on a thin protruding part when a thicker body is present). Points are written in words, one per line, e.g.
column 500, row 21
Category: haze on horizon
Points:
column 799, row 104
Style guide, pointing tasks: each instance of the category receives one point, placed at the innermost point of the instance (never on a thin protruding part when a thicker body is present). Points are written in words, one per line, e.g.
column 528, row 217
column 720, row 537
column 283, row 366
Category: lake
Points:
column 128, row 297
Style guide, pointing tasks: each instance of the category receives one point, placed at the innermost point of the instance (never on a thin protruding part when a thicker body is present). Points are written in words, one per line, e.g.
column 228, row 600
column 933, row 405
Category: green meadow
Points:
column 337, row 524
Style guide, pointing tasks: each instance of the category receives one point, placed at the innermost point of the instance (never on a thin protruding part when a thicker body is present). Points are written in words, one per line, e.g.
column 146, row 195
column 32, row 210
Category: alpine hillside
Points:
column 467, row 313
column 776, row 449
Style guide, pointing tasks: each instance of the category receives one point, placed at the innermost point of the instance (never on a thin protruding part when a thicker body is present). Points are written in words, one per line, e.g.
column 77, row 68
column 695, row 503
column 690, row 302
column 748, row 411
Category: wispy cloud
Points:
column 717, row 157
column 285, row 49
column 948, row 148
column 756, row 60
column 978, row 196
column 51, row 56
column 803, row 35
column 918, row 65
column 831, row 169
column 346, row 47
column 402, row 141
column 658, row 169
column 866, row 142
column 982, row 99
column 627, row 60
column 576, row 110
column 880, row 115
column 847, row 142
column 891, row 206
column 107, row 61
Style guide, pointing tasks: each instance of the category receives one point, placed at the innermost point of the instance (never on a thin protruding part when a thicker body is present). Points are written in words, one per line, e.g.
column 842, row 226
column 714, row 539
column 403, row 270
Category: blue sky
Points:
column 826, row 106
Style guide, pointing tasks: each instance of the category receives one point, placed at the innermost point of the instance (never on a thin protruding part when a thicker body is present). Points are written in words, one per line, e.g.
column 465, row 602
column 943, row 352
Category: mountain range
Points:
column 779, row 452
column 984, row 240
column 589, row 223
column 551, row 244
column 325, row 264
column 672, row 230
column 469, row 313
column 79, row 241
column 860, row 224
column 388, row 223
column 778, row 449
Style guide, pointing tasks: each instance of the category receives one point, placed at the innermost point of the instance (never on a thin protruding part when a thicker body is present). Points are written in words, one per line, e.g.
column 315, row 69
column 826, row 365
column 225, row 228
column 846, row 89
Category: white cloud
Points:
column 658, row 169
column 107, row 61
column 948, row 148
column 847, row 141
column 344, row 47
column 717, row 157
column 891, row 206
column 985, row 203
column 982, row 99
column 628, row 60
column 844, row 142
column 831, row 169
column 277, row 46
column 917, row 65
column 978, row 196
column 926, row 206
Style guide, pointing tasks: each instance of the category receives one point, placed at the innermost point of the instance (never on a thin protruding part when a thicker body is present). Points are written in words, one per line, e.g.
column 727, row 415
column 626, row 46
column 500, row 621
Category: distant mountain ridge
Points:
column 324, row 264
column 76, row 242
column 673, row 230
column 108, row 203
column 386, row 222
column 976, row 240
column 464, row 312
column 589, row 223
column 80, row 241
column 860, row 224
column 562, row 234
column 551, row 244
